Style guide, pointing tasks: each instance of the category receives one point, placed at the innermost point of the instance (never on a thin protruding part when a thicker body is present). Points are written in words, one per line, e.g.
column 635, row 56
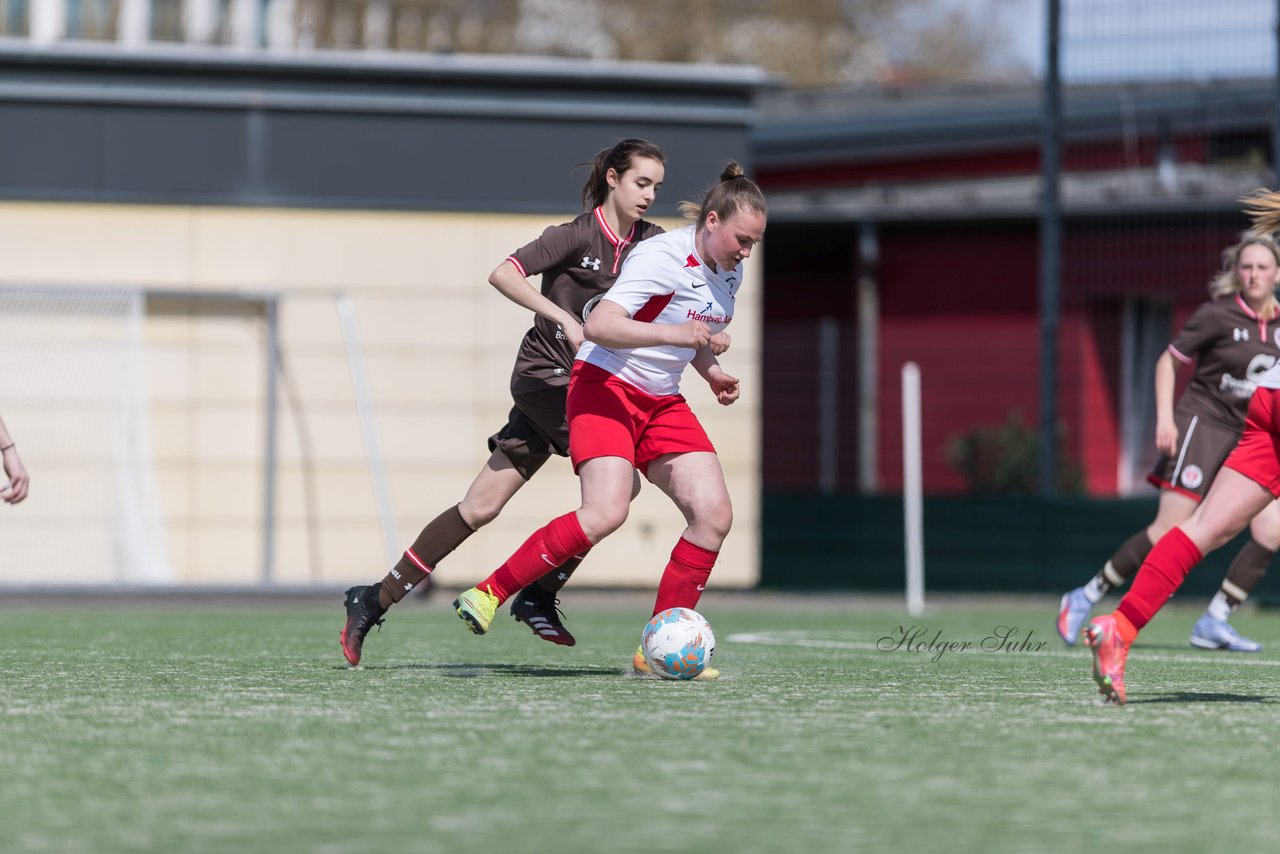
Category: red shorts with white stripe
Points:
column 609, row 417
column 1257, row 456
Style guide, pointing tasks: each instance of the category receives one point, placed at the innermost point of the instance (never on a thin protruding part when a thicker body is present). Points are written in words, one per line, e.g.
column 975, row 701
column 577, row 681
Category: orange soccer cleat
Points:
column 1110, row 637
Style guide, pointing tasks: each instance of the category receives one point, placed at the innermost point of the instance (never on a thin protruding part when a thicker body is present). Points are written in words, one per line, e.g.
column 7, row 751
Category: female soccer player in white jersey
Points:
column 577, row 261
column 625, row 408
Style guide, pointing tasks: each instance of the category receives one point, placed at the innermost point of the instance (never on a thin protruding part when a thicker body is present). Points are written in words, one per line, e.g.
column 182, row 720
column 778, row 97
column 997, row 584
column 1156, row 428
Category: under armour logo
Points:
column 591, row 263
column 562, row 576
column 408, row 586
column 1240, row 334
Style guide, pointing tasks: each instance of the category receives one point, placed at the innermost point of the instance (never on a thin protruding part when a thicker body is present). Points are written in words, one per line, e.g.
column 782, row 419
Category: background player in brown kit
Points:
column 578, row 260
column 1232, row 340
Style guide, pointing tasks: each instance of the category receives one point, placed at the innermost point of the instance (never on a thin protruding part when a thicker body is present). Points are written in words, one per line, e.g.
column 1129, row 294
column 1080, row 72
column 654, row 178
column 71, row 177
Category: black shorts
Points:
column 1202, row 448
column 536, row 428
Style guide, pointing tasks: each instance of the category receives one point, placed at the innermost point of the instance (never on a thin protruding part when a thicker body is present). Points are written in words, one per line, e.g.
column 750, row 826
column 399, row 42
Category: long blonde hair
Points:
column 1228, row 280
column 1263, row 207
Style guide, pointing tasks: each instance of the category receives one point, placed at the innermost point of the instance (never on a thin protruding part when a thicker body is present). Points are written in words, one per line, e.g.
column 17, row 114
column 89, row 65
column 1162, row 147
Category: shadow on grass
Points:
column 1205, row 697
column 468, row 671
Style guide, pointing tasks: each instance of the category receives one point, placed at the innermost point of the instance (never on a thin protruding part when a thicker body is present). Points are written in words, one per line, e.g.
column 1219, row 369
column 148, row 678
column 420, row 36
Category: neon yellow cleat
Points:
column 476, row 608
column 642, row 668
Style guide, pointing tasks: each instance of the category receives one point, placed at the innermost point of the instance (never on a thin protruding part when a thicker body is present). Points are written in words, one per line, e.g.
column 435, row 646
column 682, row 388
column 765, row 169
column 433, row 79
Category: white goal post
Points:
column 151, row 421
column 72, row 391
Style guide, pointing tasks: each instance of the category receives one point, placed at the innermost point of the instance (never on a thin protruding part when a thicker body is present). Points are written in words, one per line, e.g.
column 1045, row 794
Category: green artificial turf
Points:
column 217, row 728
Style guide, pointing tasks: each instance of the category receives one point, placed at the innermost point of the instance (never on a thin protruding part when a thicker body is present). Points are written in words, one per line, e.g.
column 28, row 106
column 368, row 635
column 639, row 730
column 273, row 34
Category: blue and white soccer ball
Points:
column 678, row 643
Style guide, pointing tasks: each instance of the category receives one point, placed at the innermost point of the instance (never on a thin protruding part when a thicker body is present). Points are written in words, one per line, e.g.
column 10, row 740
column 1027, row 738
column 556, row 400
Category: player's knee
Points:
column 478, row 512
column 600, row 520
column 715, row 521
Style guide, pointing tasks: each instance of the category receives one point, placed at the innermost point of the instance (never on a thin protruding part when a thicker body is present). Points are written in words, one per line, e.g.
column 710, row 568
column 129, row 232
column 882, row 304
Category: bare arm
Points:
column 515, row 287
column 1166, row 429
column 722, row 385
column 16, row 489
column 609, row 325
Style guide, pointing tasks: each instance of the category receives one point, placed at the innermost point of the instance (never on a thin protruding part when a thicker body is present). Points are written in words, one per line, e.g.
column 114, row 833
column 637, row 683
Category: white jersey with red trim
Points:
column 1271, row 379
column 664, row 280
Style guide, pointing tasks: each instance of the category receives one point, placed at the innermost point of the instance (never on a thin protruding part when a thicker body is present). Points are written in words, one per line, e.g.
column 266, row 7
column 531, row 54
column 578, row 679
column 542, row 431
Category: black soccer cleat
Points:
column 536, row 608
column 363, row 613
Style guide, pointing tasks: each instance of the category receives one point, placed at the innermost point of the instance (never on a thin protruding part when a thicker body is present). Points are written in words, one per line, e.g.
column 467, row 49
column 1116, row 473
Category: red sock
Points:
column 685, row 577
column 547, row 548
column 1162, row 573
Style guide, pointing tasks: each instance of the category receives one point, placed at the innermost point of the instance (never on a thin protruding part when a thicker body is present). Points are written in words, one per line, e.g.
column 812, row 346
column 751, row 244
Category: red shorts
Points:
column 1257, row 456
column 612, row 418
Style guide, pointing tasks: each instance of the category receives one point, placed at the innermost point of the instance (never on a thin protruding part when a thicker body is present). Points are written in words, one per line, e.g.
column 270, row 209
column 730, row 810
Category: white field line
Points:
column 787, row 638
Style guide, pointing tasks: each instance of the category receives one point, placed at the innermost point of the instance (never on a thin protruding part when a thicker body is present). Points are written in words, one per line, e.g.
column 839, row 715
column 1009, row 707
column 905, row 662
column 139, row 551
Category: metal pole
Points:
column 1275, row 112
column 269, row 455
column 1050, row 254
column 828, row 404
column 868, row 356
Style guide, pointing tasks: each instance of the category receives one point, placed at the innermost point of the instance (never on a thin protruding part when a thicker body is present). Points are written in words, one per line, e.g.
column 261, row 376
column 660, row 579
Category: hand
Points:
column 720, row 343
column 693, row 334
column 574, row 334
column 723, row 386
column 16, row 490
column 1166, row 437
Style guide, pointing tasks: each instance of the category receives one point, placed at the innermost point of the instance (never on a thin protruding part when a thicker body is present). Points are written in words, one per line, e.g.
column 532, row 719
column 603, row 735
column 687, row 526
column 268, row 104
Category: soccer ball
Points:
column 678, row 643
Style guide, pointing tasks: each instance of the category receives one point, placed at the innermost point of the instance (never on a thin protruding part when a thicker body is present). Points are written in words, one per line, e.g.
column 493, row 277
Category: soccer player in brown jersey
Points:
column 1247, row 485
column 1233, row 339
column 577, row 260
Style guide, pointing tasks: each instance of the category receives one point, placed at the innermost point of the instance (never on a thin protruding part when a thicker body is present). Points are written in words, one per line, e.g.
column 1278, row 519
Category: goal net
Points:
column 73, row 394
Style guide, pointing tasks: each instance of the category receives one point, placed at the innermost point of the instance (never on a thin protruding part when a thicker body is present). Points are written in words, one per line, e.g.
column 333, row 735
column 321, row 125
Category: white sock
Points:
column 1219, row 608
column 1094, row 590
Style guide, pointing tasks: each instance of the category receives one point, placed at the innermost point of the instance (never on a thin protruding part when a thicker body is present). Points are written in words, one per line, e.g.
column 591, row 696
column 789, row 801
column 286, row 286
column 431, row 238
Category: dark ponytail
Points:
column 734, row 192
column 620, row 159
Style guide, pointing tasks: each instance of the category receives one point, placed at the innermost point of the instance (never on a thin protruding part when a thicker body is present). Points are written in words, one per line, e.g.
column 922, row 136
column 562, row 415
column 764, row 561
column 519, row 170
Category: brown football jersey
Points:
column 578, row 260
column 1231, row 347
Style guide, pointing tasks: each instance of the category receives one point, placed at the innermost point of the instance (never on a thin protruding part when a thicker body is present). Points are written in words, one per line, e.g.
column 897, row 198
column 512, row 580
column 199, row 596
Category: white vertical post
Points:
column 135, row 23
column 282, row 27
column 377, row 25
column 199, row 20
column 912, row 488
column 244, row 23
column 48, row 20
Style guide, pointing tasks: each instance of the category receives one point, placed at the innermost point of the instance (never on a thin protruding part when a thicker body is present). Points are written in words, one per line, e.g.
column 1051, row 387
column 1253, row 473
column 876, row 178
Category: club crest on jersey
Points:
column 1192, row 477
column 590, row 263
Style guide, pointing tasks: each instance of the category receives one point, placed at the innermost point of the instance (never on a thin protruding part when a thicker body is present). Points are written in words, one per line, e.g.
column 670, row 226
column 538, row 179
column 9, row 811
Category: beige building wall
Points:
column 439, row 345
